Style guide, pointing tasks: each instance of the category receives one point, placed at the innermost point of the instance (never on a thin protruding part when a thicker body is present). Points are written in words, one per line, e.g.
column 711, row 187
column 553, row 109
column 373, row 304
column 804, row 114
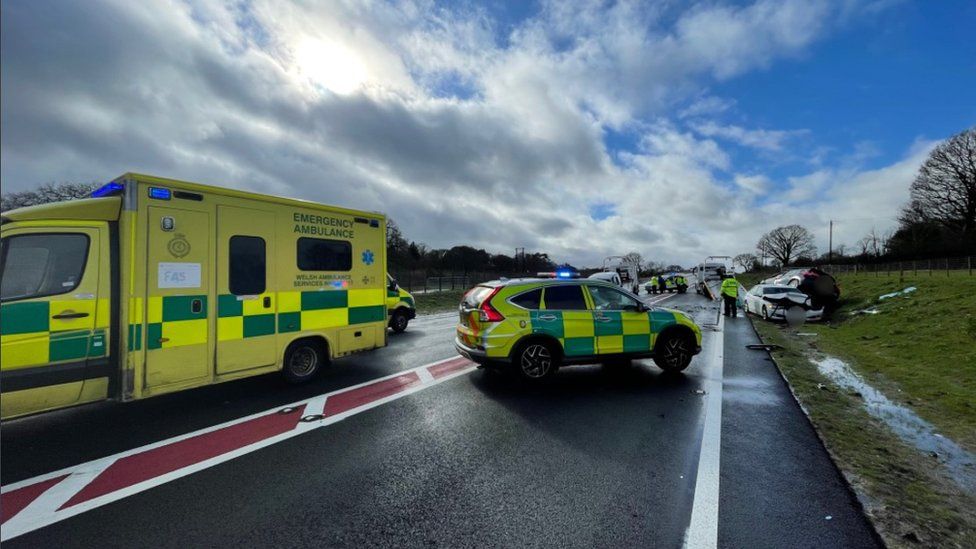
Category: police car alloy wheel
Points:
column 535, row 361
column 673, row 353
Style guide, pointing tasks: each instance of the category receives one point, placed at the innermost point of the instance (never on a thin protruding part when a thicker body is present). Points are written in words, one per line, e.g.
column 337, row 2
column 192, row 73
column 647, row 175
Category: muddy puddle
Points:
column 905, row 423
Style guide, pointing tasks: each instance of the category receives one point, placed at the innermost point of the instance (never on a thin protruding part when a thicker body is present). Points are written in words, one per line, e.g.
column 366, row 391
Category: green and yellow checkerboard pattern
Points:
column 582, row 334
column 173, row 323
column 32, row 337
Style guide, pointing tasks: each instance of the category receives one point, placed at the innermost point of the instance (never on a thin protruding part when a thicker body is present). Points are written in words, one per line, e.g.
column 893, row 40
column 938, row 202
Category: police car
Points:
column 537, row 325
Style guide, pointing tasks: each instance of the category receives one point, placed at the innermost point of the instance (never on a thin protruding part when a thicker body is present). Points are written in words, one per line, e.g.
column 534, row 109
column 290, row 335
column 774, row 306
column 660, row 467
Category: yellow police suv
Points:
column 399, row 305
column 537, row 325
column 155, row 285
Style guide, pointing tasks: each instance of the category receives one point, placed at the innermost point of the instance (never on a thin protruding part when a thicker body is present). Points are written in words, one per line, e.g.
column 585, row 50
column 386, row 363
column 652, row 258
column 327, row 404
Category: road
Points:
column 602, row 456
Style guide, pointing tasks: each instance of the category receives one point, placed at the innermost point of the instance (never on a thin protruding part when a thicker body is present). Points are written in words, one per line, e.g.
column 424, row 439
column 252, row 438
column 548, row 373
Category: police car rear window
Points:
column 565, row 298
column 320, row 254
column 528, row 300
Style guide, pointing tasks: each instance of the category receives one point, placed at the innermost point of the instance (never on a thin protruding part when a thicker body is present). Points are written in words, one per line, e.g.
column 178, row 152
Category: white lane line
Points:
column 46, row 508
column 703, row 529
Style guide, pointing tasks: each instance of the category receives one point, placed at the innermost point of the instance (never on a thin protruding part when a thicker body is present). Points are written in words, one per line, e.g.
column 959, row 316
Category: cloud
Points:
column 767, row 140
column 462, row 129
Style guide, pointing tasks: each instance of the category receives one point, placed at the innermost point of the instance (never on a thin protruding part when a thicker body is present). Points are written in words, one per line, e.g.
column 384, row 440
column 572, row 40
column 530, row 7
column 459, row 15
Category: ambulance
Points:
column 154, row 286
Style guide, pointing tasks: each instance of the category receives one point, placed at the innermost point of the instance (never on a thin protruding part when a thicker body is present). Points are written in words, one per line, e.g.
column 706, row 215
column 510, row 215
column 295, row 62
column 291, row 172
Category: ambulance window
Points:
column 43, row 264
column 528, row 300
column 565, row 298
column 319, row 254
column 609, row 299
column 246, row 274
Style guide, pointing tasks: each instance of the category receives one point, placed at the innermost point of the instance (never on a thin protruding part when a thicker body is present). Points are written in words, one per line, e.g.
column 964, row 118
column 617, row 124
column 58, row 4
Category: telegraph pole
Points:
column 830, row 243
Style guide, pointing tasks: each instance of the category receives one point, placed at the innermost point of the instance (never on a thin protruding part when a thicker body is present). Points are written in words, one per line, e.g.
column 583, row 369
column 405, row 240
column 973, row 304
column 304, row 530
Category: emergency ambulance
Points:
column 155, row 285
column 400, row 305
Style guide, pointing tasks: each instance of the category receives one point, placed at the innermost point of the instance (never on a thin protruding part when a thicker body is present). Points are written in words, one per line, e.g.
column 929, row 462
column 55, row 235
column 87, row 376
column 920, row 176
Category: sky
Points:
column 580, row 129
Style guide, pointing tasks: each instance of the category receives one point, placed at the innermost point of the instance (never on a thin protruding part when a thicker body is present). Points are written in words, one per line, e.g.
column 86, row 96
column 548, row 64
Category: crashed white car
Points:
column 770, row 301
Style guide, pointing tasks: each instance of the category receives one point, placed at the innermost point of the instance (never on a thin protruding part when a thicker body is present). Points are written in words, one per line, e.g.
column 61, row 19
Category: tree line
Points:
column 939, row 219
column 403, row 254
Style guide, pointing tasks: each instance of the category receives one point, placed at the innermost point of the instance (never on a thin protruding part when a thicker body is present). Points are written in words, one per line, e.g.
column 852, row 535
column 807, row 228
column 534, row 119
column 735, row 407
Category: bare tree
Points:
column 635, row 258
column 745, row 261
column 48, row 192
column 944, row 191
column 787, row 243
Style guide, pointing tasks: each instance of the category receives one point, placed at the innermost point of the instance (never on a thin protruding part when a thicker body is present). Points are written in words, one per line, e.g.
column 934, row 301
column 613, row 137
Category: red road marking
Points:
column 155, row 462
column 449, row 367
column 141, row 469
column 336, row 404
column 14, row 501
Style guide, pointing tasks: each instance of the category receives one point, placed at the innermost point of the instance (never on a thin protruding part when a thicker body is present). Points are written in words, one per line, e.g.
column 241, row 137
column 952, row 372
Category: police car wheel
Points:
column 673, row 353
column 302, row 362
column 536, row 360
column 399, row 321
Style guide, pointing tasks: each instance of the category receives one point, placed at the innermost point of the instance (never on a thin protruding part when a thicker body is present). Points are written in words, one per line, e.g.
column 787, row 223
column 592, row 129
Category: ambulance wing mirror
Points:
column 393, row 284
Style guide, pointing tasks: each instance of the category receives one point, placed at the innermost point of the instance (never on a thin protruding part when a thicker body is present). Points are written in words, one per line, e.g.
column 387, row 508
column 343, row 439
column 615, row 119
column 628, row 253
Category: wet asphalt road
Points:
column 602, row 456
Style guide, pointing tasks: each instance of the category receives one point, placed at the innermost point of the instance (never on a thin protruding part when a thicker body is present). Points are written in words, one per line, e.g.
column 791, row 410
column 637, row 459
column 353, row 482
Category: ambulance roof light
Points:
column 109, row 189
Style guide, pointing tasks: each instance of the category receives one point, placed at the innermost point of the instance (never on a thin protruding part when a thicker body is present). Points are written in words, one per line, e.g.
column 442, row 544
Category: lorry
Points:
column 709, row 274
column 155, row 285
column 627, row 269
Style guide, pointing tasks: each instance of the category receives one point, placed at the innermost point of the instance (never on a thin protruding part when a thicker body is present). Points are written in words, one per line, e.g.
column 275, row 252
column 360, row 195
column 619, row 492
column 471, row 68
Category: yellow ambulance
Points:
column 399, row 305
column 155, row 285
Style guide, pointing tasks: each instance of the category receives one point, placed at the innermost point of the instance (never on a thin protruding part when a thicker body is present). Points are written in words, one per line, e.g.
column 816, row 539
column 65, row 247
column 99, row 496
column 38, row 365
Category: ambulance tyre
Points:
column 398, row 322
column 303, row 359
column 536, row 359
column 674, row 350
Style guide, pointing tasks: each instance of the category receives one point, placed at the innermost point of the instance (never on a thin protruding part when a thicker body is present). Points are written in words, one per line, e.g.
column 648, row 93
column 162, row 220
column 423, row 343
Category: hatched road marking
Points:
column 46, row 499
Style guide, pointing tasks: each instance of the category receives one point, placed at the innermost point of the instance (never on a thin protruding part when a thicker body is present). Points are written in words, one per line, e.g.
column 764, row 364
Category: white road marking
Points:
column 703, row 529
column 45, row 509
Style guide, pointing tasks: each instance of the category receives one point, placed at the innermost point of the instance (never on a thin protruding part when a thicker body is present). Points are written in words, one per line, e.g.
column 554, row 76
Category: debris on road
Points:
column 764, row 347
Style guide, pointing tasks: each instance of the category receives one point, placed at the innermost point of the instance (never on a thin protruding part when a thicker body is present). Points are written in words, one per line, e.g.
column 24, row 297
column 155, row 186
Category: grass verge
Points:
column 438, row 302
column 919, row 350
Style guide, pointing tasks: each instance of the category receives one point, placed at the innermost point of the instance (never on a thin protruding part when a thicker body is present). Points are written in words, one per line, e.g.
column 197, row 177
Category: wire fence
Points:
column 427, row 282
column 926, row 267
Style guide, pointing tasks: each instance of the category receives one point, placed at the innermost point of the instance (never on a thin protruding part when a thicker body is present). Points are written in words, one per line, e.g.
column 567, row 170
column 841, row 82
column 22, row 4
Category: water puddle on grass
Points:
column 905, row 423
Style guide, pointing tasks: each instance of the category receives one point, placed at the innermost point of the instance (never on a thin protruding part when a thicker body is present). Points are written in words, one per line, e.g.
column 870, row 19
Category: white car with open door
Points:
column 771, row 301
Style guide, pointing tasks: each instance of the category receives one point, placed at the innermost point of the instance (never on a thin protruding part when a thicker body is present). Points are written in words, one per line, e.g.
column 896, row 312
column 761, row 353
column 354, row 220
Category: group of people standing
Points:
column 663, row 283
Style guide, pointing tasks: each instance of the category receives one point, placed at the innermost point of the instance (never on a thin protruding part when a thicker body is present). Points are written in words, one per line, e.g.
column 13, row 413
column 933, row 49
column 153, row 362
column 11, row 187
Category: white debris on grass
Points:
column 904, row 422
column 907, row 290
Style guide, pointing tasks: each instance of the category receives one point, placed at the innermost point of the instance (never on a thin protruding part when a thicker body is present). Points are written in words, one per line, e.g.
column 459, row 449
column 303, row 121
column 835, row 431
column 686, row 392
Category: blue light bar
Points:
column 159, row 193
column 108, row 189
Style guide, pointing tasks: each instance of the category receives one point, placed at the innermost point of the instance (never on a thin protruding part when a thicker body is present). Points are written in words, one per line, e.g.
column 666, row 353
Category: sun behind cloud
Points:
column 330, row 65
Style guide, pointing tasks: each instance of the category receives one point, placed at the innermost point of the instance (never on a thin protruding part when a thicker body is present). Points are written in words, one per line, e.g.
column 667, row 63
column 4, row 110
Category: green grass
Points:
column 901, row 492
column 438, row 302
column 920, row 348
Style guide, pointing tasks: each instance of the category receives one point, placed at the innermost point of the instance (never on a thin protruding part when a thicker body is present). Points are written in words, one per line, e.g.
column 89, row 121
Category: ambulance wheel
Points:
column 536, row 360
column 303, row 360
column 673, row 351
column 398, row 322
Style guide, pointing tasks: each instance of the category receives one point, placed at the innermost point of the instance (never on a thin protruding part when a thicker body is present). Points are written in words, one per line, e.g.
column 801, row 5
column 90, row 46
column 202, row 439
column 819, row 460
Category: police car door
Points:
column 566, row 314
column 620, row 323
